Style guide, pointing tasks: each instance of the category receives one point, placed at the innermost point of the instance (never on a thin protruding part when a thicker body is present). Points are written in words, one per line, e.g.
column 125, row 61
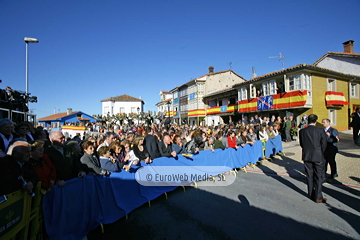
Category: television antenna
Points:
column 280, row 57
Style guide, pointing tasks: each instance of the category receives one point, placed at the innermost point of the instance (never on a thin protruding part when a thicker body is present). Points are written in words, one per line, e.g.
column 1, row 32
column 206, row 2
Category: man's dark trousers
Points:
column 313, row 170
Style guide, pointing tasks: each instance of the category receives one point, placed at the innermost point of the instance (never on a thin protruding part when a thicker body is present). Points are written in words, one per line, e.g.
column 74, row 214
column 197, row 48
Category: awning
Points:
column 335, row 98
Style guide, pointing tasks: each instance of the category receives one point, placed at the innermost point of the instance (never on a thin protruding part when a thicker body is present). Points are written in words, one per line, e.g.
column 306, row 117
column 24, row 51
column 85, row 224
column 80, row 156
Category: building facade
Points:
column 346, row 62
column 308, row 89
column 175, row 106
column 164, row 106
column 58, row 120
column 121, row 104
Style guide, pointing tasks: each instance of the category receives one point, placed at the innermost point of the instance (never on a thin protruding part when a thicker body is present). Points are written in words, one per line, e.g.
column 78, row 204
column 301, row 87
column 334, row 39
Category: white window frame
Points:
column 272, row 87
column 243, row 93
column 332, row 116
column 291, row 87
column 133, row 109
column 297, row 83
column 252, row 91
column 307, row 81
column 330, row 82
column 265, row 88
column 122, row 110
column 354, row 94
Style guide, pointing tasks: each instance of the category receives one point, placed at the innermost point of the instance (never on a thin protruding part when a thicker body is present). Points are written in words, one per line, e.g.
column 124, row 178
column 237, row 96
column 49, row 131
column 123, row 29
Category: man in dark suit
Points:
column 151, row 144
column 313, row 142
column 332, row 135
column 355, row 124
column 165, row 147
column 13, row 173
column 63, row 158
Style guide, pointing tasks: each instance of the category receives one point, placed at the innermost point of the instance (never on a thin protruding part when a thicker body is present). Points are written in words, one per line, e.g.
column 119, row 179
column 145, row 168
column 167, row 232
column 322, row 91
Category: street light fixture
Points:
column 27, row 41
column 138, row 110
column 168, row 105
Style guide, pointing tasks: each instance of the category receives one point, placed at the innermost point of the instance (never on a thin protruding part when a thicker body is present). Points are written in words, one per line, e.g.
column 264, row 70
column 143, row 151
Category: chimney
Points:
column 254, row 75
column 349, row 46
column 211, row 69
column 68, row 111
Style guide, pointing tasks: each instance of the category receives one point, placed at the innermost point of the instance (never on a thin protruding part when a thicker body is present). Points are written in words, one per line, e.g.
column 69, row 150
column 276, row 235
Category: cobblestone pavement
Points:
column 348, row 161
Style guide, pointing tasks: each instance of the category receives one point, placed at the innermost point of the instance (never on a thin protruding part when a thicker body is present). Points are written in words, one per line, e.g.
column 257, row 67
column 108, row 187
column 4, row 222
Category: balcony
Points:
column 277, row 101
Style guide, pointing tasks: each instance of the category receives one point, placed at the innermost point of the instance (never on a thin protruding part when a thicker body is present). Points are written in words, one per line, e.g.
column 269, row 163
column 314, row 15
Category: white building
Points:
column 121, row 104
column 165, row 98
column 344, row 62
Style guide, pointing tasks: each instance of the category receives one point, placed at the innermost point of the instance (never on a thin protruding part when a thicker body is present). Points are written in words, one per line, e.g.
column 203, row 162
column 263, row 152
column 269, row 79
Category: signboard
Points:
column 11, row 216
column 265, row 103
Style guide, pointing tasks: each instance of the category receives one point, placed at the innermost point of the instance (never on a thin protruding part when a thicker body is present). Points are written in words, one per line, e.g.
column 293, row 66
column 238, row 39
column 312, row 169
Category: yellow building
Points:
column 308, row 89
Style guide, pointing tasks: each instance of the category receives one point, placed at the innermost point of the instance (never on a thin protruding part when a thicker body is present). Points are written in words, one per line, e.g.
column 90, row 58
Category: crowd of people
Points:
column 51, row 158
column 35, row 154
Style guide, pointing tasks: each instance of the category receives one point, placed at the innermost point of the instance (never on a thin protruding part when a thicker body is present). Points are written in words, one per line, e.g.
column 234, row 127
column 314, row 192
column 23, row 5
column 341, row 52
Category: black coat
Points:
column 67, row 166
column 10, row 171
column 355, row 123
column 313, row 142
column 151, row 144
column 165, row 151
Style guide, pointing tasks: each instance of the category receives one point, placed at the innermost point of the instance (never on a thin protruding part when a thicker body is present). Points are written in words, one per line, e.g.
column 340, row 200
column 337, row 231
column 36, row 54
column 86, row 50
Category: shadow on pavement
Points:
column 271, row 173
column 355, row 179
column 350, row 155
column 198, row 214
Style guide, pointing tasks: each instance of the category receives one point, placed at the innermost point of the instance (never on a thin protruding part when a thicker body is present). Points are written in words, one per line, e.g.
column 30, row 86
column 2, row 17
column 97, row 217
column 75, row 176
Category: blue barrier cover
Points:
column 72, row 211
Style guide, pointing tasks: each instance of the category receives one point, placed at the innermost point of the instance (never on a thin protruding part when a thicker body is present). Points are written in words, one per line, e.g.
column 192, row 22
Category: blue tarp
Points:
column 72, row 211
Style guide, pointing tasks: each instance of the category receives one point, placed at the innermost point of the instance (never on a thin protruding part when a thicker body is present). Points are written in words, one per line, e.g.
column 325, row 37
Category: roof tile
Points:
column 122, row 98
column 55, row 116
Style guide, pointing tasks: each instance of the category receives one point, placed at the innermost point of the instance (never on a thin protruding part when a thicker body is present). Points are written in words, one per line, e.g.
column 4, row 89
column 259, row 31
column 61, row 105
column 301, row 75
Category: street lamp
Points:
column 138, row 110
column 168, row 105
column 27, row 41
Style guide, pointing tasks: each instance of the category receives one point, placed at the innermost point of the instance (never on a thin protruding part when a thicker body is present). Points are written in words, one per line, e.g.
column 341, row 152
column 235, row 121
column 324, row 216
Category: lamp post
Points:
column 168, row 105
column 27, row 41
column 138, row 110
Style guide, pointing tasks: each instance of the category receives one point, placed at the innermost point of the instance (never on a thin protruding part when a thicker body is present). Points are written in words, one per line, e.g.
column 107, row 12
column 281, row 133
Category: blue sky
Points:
column 91, row 50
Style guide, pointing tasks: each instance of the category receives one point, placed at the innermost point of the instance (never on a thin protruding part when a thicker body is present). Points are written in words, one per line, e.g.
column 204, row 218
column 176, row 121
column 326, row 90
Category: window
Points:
column 232, row 101
column 354, row 90
column 272, row 87
column 243, row 93
column 294, row 82
column 122, row 110
column 332, row 116
column 331, row 84
column 106, row 110
column 307, row 82
column 201, row 87
column 252, row 91
column 265, row 88
column 133, row 109
column 175, row 94
column 183, row 93
column 220, row 103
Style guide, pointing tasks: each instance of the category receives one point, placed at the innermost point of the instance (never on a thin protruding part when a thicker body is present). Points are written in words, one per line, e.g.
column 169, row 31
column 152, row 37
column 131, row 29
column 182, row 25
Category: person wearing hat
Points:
column 355, row 124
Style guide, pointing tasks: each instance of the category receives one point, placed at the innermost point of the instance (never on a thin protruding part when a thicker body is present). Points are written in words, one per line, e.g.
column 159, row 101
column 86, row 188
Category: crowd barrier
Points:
column 20, row 216
column 72, row 211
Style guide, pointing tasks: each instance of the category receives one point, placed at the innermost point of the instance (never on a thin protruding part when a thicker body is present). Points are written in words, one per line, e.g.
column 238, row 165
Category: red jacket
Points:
column 231, row 142
column 46, row 172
